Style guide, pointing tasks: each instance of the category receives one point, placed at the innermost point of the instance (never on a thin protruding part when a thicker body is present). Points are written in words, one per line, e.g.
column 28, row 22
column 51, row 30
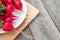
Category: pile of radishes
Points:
column 6, row 9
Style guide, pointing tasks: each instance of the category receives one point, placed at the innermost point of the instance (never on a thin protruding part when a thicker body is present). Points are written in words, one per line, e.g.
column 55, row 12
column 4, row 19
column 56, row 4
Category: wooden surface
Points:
column 12, row 35
column 46, row 26
column 53, row 7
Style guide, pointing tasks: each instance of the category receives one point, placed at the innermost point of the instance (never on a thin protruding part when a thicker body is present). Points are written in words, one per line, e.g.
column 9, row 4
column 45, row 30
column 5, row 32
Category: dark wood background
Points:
column 46, row 26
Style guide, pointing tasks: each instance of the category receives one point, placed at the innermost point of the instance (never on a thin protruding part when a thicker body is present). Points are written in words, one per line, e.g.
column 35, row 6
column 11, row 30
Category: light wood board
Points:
column 31, row 14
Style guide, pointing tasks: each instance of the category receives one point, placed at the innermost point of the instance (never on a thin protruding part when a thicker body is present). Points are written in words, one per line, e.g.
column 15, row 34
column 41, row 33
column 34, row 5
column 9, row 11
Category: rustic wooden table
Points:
column 46, row 26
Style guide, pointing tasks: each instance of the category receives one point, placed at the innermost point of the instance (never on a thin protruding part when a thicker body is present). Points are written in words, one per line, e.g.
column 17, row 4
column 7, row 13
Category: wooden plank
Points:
column 42, row 27
column 12, row 35
column 53, row 7
column 22, row 37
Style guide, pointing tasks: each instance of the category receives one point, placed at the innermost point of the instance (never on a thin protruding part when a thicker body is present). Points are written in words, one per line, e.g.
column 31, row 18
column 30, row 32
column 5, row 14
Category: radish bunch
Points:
column 6, row 9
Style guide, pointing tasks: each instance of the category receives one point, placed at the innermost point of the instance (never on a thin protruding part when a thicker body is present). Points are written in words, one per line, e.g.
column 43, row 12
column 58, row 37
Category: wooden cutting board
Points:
column 31, row 14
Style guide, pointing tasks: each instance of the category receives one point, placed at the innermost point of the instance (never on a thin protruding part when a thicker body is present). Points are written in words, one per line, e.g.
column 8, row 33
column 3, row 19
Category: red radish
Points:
column 4, row 1
column 7, row 26
column 9, row 8
column 9, row 19
column 10, row 1
column 7, row 15
column 1, row 17
column 18, row 4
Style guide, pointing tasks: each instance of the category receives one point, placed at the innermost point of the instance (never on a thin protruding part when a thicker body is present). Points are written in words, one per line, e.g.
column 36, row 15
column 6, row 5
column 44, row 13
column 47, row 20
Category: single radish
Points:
column 7, row 15
column 9, row 19
column 9, row 8
column 10, row 1
column 18, row 4
column 4, row 1
column 7, row 26
column 1, row 17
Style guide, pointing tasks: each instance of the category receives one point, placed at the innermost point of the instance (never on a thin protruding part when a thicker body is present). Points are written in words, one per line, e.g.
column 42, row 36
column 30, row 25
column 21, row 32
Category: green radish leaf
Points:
column 2, row 7
column 2, row 13
column 1, row 22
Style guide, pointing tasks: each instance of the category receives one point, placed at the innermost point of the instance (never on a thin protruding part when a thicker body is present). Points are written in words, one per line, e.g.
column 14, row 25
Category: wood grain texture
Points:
column 43, row 28
column 13, row 34
column 22, row 37
column 53, row 7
